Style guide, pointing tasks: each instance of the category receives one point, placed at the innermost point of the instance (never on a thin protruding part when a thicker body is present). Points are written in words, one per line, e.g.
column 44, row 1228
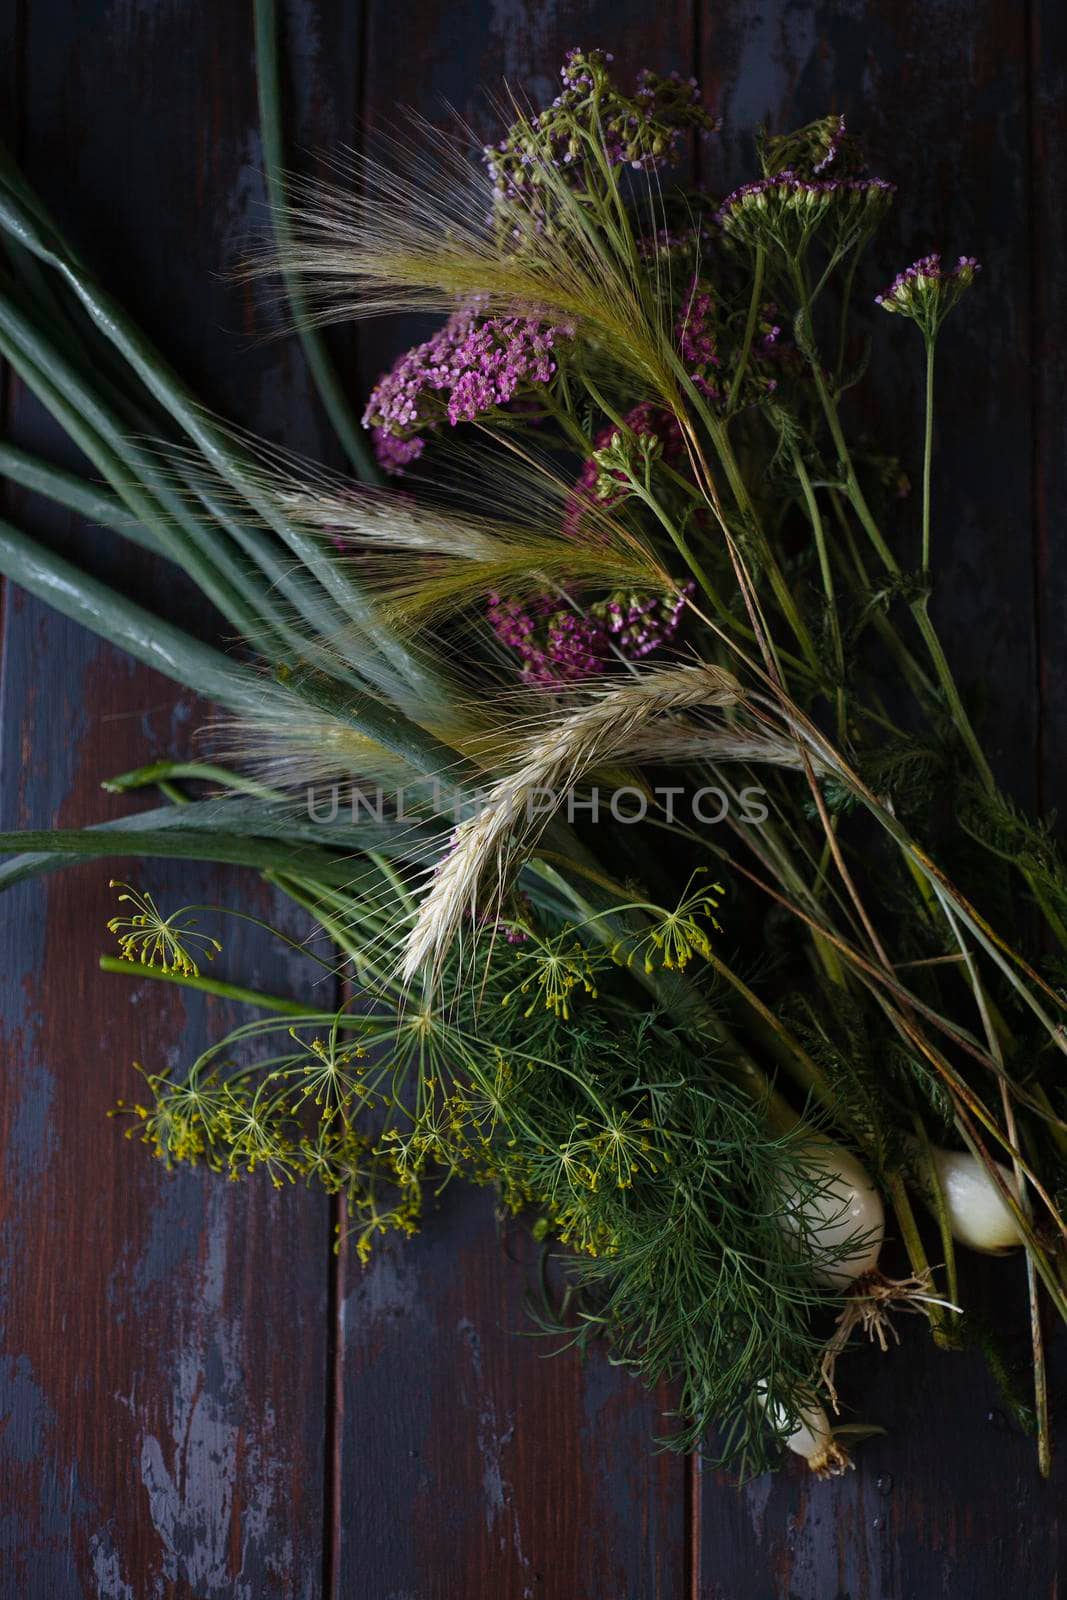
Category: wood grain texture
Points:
column 1048, row 234
column 197, row 1399
column 163, row 1396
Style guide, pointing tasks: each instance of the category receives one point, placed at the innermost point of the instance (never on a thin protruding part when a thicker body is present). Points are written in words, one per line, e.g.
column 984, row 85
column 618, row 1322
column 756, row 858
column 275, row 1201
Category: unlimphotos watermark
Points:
column 628, row 804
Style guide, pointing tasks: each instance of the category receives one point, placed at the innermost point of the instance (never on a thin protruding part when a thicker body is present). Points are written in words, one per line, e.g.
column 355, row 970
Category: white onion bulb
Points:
column 847, row 1206
column 978, row 1214
column 813, row 1438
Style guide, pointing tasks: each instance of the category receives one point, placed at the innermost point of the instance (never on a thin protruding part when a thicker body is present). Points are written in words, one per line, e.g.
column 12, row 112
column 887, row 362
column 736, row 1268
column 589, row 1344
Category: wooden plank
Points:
column 164, row 1399
column 1048, row 335
column 949, row 1502
column 473, row 1463
column 161, row 1423
column 514, row 1475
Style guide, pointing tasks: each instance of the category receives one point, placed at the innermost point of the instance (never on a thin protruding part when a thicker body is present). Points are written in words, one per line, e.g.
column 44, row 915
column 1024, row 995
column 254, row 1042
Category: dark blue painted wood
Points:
column 164, row 1375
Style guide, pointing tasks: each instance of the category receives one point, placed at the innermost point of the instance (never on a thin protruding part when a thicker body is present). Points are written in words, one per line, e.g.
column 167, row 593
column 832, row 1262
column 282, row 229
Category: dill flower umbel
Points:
column 552, row 971
column 147, row 937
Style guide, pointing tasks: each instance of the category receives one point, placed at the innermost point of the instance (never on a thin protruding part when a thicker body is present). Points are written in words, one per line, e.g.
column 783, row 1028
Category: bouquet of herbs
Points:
column 612, row 746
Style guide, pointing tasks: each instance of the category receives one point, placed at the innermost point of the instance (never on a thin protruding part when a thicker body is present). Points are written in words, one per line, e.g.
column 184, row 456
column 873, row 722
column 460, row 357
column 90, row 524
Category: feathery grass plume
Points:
column 419, row 235
column 292, row 745
column 303, row 728
column 474, row 875
column 417, row 564
column 438, row 564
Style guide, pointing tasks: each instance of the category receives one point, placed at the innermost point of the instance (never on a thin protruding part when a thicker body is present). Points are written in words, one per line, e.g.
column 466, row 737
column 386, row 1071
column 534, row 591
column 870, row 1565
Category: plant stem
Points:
column 681, row 544
column 160, row 772
column 928, row 452
column 750, row 328
column 89, row 500
column 819, row 531
column 947, row 682
column 24, row 219
column 214, row 986
column 918, row 606
column 920, row 1265
column 915, row 677
column 1041, row 1408
column 88, row 418
column 949, row 1333
column 324, row 373
column 146, row 637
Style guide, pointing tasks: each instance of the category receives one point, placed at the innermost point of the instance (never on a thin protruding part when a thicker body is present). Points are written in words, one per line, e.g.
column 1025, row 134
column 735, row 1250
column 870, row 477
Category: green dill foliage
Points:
column 665, row 1182
column 869, row 1079
column 662, row 1190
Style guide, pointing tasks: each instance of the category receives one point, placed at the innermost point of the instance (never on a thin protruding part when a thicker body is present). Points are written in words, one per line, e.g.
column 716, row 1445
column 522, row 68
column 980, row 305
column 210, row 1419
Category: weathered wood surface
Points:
column 197, row 1398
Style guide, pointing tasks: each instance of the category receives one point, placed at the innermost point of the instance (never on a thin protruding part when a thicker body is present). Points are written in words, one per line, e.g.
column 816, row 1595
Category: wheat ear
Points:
column 487, row 847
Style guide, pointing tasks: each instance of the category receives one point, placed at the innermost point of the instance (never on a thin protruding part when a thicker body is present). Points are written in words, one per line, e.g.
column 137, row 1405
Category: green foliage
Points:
column 661, row 1177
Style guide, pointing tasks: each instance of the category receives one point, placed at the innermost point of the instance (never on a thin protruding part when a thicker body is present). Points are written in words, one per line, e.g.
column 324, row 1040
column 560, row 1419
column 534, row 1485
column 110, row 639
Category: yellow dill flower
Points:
column 181, row 1123
column 147, row 937
column 487, row 1098
column 254, row 1135
column 674, row 937
column 326, row 1076
column 375, row 1220
column 560, row 966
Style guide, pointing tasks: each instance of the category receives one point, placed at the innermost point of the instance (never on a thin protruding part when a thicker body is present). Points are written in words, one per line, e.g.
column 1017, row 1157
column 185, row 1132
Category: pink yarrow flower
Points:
column 642, row 420
column 471, row 366
column 559, row 644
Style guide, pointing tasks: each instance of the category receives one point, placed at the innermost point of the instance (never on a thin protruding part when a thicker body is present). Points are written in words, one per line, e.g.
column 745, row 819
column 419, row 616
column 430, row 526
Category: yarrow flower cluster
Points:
column 558, row 644
column 600, row 483
column 695, row 332
column 926, row 291
column 812, row 150
column 699, row 340
column 471, row 366
column 591, row 118
column 787, row 210
column 836, row 135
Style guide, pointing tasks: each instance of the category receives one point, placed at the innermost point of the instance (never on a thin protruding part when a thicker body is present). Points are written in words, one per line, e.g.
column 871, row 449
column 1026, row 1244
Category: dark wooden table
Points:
column 197, row 1397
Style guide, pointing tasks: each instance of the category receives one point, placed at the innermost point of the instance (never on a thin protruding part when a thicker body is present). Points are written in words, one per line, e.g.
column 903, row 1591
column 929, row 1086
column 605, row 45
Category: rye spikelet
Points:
column 488, row 847
column 722, row 744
